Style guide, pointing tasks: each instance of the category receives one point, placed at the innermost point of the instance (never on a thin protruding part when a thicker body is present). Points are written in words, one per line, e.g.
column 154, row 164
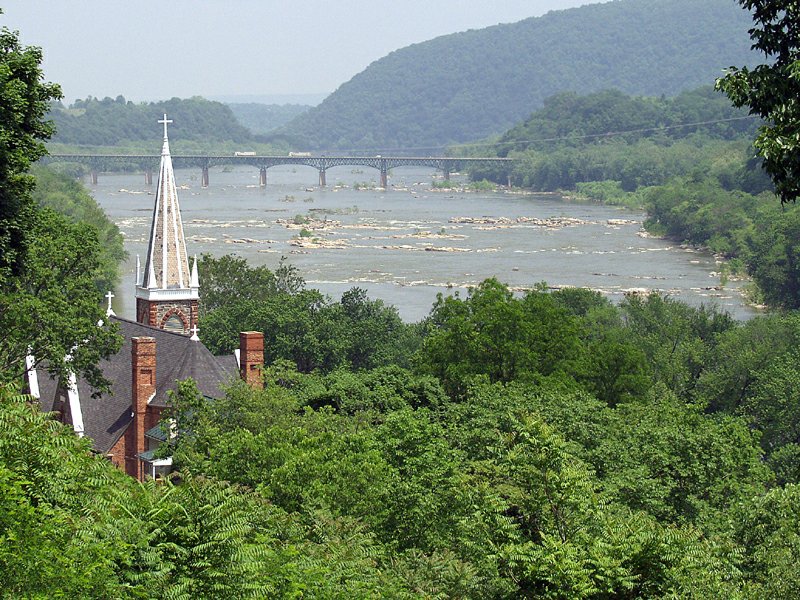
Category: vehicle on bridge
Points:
column 299, row 154
column 246, row 153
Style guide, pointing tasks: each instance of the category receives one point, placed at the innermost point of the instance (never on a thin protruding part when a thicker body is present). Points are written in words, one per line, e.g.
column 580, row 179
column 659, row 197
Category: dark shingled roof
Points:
column 178, row 357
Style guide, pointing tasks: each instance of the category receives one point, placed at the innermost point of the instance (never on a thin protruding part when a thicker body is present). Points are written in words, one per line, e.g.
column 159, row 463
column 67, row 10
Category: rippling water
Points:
column 409, row 242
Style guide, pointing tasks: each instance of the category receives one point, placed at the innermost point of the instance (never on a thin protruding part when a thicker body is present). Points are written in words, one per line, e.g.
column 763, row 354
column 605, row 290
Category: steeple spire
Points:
column 166, row 282
column 166, row 254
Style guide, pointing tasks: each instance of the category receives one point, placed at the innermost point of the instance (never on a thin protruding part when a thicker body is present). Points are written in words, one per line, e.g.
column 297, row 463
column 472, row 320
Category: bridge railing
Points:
column 148, row 162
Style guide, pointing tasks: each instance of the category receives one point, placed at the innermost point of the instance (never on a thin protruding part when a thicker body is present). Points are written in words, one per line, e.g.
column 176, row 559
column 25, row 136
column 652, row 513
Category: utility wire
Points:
column 551, row 139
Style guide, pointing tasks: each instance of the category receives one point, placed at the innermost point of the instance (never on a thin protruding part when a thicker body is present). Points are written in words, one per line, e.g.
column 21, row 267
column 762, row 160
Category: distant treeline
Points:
column 115, row 121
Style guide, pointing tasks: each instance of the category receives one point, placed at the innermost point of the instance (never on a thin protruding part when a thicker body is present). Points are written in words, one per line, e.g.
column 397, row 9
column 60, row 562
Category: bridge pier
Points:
column 148, row 177
column 384, row 168
column 510, row 183
column 322, row 182
column 94, row 176
column 204, row 178
column 446, row 174
column 262, row 177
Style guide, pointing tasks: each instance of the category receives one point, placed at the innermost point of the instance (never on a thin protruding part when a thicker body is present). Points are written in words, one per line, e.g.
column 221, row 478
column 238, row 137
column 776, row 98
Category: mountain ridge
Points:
column 480, row 82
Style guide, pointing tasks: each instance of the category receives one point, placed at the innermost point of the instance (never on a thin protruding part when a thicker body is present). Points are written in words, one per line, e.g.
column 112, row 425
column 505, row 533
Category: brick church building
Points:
column 160, row 349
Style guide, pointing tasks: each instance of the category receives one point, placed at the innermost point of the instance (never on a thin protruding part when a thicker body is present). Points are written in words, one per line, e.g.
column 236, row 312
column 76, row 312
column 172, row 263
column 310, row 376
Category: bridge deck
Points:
column 149, row 162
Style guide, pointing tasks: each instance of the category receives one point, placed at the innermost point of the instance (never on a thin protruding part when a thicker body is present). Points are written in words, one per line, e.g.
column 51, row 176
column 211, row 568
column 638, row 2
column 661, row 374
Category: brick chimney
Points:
column 143, row 388
column 251, row 357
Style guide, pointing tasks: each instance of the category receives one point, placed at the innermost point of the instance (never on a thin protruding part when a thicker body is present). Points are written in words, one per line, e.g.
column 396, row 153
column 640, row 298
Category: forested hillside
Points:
column 63, row 194
column 637, row 141
column 469, row 85
column 117, row 122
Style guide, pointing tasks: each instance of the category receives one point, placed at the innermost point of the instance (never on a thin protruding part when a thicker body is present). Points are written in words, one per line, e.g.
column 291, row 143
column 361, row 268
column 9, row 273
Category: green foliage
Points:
column 731, row 370
column 774, row 401
column 768, row 531
column 469, row 85
column 299, row 325
column 227, row 277
column 751, row 229
column 23, row 104
column 773, row 259
column 608, row 192
column 67, row 196
column 483, row 497
column 568, row 119
column 116, row 122
column 195, row 540
column 589, row 142
column 493, row 334
column 51, row 310
column 687, row 467
column 770, row 90
column 675, row 338
column 484, row 185
column 47, row 479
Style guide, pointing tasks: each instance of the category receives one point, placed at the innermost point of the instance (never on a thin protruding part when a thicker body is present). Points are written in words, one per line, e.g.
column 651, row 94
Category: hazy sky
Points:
column 158, row 49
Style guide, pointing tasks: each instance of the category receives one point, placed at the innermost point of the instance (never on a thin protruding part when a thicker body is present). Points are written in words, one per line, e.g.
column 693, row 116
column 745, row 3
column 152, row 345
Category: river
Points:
column 409, row 242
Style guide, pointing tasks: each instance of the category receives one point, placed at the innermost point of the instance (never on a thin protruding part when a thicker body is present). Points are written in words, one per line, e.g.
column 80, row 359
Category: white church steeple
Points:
column 166, row 253
column 167, row 291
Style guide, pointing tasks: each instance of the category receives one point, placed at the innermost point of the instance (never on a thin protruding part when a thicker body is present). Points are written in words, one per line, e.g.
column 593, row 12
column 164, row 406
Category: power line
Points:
column 551, row 139
column 607, row 134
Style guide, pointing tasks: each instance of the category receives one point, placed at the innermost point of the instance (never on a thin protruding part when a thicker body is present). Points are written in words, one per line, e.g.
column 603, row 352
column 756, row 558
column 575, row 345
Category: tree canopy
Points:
column 113, row 122
column 49, row 266
column 771, row 90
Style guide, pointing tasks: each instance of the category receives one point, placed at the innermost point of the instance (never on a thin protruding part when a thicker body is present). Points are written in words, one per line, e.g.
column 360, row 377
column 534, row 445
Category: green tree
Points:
column 493, row 334
column 194, row 540
column 299, row 324
column 771, row 90
column 49, row 305
column 24, row 100
column 687, row 467
column 227, row 278
column 774, row 259
column 767, row 529
column 675, row 338
column 730, row 371
column 773, row 404
column 51, row 309
column 48, row 546
column 70, row 198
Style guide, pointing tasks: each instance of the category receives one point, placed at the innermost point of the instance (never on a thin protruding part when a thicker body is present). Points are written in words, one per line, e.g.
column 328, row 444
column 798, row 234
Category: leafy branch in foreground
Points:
column 771, row 90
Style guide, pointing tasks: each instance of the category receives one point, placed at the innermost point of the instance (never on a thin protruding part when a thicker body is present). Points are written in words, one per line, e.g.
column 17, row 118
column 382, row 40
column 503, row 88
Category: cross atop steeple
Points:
column 195, row 330
column 165, row 121
column 109, row 311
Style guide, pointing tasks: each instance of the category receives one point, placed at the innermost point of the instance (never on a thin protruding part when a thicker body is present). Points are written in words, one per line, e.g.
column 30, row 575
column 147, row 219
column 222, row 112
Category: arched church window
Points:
column 174, row 323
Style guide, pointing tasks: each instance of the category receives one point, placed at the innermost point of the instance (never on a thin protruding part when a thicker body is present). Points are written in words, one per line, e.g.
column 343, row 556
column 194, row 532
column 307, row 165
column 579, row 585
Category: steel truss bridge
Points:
column 98, row 163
